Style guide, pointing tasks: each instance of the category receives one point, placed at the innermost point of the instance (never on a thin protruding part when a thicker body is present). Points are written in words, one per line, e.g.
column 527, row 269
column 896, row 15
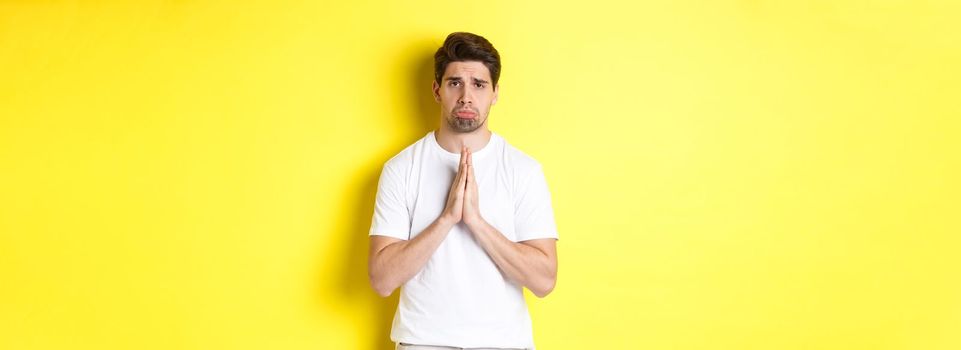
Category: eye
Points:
column 454, row 83
column 479, row 85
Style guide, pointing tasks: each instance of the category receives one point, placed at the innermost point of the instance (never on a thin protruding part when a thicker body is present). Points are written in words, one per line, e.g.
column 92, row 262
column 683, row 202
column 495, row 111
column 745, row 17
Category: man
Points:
column 462, row 219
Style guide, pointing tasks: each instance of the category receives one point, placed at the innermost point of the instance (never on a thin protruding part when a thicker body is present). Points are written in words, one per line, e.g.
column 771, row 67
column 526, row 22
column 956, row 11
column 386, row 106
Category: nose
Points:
column 465, row 97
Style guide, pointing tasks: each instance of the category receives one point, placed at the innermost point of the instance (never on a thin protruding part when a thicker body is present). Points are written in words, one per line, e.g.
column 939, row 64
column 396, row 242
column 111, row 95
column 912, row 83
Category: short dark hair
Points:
column 463, row 46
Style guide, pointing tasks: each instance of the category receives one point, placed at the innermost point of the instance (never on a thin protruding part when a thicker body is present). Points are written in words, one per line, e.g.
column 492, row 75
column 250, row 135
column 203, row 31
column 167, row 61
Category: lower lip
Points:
column 466, row 115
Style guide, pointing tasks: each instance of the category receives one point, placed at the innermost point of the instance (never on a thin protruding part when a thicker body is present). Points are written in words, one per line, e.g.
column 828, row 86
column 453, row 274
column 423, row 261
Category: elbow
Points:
column 545, row 284
column 544, row 288
column 383, row 292
column 380, row 286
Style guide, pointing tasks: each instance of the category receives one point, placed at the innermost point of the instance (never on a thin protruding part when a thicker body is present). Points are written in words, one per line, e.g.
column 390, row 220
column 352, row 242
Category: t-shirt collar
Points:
column 432, row 139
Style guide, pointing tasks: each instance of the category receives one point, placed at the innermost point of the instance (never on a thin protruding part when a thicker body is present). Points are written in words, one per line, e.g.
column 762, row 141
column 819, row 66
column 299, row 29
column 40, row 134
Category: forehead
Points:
column 467, row 70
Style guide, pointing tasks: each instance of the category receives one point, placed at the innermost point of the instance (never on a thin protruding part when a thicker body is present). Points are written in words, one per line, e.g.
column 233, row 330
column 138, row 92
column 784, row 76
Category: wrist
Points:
column 474, row 222
column 446, row 221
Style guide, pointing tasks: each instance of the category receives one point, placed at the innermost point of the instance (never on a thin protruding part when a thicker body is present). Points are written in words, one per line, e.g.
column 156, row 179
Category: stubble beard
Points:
column 461, row 125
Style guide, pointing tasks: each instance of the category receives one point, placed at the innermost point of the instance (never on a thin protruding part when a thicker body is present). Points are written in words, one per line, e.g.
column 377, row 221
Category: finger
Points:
column 466, row 161
column 470, row 157
column 466, row 176
column 460, row 166
column 470, row 174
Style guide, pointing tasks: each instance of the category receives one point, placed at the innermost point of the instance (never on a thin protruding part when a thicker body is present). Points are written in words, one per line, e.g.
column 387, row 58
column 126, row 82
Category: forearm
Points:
column 521, row 263
column 398, row 262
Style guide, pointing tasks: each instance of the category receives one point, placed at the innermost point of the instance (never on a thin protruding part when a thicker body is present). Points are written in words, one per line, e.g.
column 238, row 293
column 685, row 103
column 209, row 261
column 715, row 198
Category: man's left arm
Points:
column 530, row 263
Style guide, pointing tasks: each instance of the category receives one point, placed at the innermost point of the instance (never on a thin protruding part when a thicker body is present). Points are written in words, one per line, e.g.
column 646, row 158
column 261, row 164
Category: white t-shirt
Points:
column 460, row 298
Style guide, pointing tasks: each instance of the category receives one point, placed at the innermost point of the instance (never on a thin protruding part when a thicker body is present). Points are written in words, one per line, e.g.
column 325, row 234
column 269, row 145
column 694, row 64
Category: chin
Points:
column 453, row 122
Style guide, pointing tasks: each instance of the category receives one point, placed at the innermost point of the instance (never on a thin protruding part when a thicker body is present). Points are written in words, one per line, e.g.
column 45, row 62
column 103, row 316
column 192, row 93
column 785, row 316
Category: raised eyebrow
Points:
column 482, row 81
column 454, row 78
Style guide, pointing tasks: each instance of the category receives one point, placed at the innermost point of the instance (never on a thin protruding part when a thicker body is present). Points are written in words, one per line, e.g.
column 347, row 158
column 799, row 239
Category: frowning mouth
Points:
column 465, row 114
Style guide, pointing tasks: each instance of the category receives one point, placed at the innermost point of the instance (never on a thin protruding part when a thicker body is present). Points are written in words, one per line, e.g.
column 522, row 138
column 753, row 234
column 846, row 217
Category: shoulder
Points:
column 521, row 162
column 401, row 162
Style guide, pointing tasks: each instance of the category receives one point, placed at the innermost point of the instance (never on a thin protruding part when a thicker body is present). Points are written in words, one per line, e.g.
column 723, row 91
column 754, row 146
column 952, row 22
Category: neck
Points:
column 452, row 141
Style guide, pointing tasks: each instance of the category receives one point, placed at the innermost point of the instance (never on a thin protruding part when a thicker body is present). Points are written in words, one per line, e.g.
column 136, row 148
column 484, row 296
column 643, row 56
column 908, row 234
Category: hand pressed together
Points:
column 462, row 201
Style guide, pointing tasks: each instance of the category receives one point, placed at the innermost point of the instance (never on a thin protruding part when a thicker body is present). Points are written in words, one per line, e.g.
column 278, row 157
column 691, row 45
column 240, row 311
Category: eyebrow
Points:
column 455, row 78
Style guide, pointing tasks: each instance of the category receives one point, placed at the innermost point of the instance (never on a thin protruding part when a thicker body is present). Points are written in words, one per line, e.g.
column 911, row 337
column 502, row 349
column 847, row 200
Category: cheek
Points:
column 445, row 100
column 490, row 100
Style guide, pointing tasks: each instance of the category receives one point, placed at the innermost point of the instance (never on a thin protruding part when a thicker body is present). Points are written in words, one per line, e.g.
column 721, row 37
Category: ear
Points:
column 436, row 89
column 496, row 89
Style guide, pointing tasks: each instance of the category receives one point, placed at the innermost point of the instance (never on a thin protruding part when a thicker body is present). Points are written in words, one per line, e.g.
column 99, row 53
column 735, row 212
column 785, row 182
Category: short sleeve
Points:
column 391, row 217
column 533, row 213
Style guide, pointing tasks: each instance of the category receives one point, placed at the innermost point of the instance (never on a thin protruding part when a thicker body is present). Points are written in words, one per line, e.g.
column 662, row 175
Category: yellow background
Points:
column 726, row 174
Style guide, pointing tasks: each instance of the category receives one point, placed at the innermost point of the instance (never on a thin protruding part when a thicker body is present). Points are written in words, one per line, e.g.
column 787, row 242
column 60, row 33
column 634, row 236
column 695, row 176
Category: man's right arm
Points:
column 392, row 261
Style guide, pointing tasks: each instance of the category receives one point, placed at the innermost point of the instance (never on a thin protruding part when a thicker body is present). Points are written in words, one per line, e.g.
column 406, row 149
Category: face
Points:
column 465, row 95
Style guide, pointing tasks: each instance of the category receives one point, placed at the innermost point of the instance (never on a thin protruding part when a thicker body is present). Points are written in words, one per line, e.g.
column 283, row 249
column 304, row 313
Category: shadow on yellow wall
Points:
column 353, row 284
